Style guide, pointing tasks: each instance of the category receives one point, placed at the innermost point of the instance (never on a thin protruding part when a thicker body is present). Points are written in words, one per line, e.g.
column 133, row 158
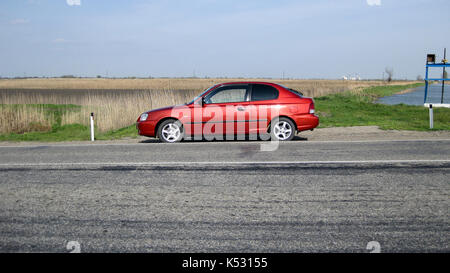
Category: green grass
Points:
column 359, row 109
column 58, row 133
column 71, row 132
column 129, row 131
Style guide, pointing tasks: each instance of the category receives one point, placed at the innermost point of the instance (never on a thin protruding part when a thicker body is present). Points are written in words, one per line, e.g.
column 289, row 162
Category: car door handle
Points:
column 240, row 108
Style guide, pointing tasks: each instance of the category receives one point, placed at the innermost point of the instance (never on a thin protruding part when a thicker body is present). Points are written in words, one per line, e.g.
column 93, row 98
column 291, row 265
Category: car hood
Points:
column 164, row 108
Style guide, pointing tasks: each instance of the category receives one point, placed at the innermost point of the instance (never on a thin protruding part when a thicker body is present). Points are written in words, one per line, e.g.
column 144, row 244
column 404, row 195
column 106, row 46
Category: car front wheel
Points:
column 282, row 129
column 170, row 131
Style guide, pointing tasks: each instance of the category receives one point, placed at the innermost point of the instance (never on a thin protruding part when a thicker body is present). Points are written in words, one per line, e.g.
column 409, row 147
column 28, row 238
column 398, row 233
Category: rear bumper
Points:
column 306, row 122
column 146, row 128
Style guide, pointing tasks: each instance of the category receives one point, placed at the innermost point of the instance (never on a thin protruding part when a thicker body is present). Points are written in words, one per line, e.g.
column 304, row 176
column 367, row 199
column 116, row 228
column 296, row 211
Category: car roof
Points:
column 249, row 82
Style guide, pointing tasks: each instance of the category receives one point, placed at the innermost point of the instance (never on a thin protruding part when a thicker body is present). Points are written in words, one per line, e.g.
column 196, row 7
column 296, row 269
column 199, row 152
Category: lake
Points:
column 415, row 97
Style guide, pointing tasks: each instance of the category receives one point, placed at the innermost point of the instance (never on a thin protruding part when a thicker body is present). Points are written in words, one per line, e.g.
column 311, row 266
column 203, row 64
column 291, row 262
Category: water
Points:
column 416, row 97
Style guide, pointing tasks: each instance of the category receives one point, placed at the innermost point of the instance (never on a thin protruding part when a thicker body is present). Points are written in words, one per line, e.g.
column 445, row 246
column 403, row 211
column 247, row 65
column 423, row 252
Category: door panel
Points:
column 221, row 115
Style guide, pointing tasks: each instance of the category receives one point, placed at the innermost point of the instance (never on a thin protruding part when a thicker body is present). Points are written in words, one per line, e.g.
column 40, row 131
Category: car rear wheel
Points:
column 170, row 131
column 282, row 129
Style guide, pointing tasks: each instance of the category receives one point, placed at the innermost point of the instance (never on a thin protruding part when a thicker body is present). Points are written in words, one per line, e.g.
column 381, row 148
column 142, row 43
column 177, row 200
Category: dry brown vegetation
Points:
column 118, row 102
column 309, row 87
column 113, row 109
column 22, row 118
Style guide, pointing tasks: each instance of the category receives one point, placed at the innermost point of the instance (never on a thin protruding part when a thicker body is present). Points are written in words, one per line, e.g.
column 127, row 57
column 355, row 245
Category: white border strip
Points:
column 437, row 105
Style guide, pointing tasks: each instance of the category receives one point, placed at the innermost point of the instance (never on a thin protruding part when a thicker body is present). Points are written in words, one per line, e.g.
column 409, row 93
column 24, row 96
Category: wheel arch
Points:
column 161, row 121
column 282, row 116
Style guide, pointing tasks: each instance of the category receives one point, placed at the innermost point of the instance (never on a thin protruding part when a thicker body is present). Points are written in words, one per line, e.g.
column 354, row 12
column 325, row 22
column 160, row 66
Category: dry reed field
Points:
column 309, row 87
column 117, row 102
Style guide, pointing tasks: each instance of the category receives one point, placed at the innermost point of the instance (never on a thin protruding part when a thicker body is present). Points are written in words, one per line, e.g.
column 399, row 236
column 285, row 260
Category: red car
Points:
column 233, row 109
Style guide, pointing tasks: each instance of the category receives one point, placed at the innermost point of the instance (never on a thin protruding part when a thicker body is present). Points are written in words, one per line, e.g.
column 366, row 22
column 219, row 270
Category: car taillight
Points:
column 311, row 108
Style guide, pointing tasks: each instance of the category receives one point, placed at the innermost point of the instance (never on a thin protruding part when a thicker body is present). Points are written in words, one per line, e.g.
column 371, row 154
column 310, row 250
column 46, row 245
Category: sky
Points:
column 221, row 38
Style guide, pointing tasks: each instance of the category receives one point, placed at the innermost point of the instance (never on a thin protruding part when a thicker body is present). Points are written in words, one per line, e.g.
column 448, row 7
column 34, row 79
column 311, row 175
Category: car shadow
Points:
column 155, row 140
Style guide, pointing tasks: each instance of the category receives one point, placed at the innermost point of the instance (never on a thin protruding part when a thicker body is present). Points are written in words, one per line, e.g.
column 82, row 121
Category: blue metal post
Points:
column 426, row 84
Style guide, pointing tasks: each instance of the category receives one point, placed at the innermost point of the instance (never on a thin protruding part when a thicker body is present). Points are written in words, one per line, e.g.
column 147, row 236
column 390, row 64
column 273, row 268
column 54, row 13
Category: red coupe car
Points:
column 261, row 109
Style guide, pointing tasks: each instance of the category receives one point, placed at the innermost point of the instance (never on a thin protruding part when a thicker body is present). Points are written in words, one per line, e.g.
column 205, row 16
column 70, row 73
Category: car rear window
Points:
column 264, row 92
column 296, row 92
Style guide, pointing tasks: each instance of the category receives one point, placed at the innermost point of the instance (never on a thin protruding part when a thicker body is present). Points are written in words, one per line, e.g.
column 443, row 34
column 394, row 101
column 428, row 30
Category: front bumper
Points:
column 146, row 128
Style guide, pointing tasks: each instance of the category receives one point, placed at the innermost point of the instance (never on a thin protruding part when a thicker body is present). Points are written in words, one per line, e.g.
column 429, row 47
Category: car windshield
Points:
column 204, row 92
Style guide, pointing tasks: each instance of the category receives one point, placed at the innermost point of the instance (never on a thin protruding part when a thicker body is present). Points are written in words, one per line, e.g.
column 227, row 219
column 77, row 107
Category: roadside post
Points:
column 431, row 63
column 92, row 126
column 431, row 116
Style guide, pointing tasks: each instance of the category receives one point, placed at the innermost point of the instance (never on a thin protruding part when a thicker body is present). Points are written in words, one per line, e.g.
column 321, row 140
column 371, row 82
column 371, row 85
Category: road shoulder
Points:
column 355, row 133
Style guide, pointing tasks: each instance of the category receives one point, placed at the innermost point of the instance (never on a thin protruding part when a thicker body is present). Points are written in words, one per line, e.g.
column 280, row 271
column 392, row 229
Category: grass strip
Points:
column 358, row 108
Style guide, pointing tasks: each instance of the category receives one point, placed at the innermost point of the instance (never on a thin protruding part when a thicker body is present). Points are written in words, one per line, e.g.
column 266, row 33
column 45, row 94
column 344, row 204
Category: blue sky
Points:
column 233, row 38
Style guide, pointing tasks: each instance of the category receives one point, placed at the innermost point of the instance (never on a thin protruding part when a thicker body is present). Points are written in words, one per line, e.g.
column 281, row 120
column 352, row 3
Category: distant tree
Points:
column 390, row 73
column 419, row 78
column 98, row 76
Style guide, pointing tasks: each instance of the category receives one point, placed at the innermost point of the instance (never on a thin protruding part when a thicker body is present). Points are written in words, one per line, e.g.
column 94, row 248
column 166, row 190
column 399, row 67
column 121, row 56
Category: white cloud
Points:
column 73, row 2
column 374, row 2
column 59, row 40
column 19, row 21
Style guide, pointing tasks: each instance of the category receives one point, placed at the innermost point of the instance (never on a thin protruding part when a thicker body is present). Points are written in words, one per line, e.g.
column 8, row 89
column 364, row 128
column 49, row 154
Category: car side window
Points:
column 264, row 92
column 227, row 94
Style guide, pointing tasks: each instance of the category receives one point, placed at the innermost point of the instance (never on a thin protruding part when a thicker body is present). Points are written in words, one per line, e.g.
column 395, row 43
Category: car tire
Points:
column 282, row 129
column 170, row 131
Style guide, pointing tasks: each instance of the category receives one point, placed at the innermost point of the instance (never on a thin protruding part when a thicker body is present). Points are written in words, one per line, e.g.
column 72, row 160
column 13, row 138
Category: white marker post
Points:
column 431, row 116
column 92, row 126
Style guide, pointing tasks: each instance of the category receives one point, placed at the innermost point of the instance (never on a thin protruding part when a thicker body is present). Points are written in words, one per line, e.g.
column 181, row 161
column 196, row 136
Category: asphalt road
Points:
column 226, row 197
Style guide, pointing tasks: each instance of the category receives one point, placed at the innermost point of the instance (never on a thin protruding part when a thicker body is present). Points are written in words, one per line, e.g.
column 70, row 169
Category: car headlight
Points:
column 144, row 117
